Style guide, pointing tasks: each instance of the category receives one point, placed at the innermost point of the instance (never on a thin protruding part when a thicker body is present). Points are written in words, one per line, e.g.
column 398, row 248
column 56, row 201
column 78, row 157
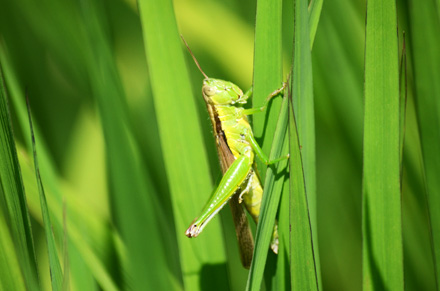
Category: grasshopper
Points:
column 237, row 148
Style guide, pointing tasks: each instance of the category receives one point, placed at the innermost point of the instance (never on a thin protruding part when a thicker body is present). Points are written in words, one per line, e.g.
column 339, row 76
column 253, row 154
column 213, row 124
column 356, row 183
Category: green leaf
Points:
column 11, row 276
column 403, row 93
column 87, row 232
column 13, row 198
column 338, row 58
column 305, row 270
column 425, row 28
column 202, row 259
column 304, row 111
column 267, row 72
column 303, row 273
column 267, row 78
column 133, row 195
column 382, row 225
column 315, row 8
column 54, row 262
column 271, row 196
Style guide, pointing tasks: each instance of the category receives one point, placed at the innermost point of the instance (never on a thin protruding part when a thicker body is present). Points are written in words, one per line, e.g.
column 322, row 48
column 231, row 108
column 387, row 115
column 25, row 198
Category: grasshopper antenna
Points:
column 194, row 58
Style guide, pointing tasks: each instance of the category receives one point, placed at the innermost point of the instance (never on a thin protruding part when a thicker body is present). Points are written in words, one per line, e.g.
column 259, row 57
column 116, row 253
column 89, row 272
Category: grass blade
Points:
column 264, row 73
column 88, row 242
column 267, row 78
column 180, row 136
column 382, row 226
column 66, row 262
column 425, row 28
column 54, row 262
column 13, row 195
column 339, row 117
column 267, row 71
column 126, row 171
column 403, row 92
column 269, row 206
column 11, row 276
column 315, row 8
column 303, row 106
column 305, row 271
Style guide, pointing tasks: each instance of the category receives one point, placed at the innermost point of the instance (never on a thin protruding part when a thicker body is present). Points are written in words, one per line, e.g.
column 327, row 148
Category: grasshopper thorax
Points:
column 219, row 92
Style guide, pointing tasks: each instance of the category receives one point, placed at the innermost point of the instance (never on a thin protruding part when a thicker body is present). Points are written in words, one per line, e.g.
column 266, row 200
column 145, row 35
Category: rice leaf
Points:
column 267, row 78
column 267, row 72
column 202, row 259
column 304, row 111
column 304, row 265
column 132, row 191
column 403, row 92
column 303, row 273
column 66, row 267
column 11, row 275
column 382, row 226
column 270, row 30
column 425, row 28
column 85, row 241
column 13, row 196
column 338, row 57
column 54, row 262
column 269, row 204
column 315, row 8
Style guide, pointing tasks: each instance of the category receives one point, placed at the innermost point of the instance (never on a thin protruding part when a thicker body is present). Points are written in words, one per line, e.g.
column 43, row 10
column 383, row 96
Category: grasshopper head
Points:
column 219, row 92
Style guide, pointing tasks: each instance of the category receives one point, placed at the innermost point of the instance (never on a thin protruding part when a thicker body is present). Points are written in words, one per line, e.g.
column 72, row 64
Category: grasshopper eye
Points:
column 209, row 91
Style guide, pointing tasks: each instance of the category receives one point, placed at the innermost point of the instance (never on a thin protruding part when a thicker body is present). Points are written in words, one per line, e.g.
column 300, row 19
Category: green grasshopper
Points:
column 237, row 148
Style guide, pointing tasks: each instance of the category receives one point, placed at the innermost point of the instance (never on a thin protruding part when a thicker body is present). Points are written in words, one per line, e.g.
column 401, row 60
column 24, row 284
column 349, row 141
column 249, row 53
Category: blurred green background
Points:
column 83, row 66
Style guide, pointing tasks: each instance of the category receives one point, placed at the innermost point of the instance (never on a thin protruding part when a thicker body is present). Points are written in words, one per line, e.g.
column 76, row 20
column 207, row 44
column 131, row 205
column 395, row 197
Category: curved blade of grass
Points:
column 315, row 8
column 382, row 226
column 11, row 276
column 83, row 250
column 66, row 262
column 425, row 28
column 56, row 274
column 91, row 242
column 185, row 157
column 132, row 191
column 13, row 195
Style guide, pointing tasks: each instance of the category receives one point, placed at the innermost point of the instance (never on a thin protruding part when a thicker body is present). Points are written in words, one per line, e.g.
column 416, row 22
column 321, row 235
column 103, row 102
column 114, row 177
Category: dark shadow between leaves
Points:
column 214, row 276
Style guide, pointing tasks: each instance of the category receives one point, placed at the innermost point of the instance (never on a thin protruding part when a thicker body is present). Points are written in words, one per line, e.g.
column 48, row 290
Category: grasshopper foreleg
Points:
column 259, row 151
column 266, row 103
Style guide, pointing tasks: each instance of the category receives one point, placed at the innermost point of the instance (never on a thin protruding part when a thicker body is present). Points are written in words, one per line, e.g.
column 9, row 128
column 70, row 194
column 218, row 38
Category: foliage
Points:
column 126, row 157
